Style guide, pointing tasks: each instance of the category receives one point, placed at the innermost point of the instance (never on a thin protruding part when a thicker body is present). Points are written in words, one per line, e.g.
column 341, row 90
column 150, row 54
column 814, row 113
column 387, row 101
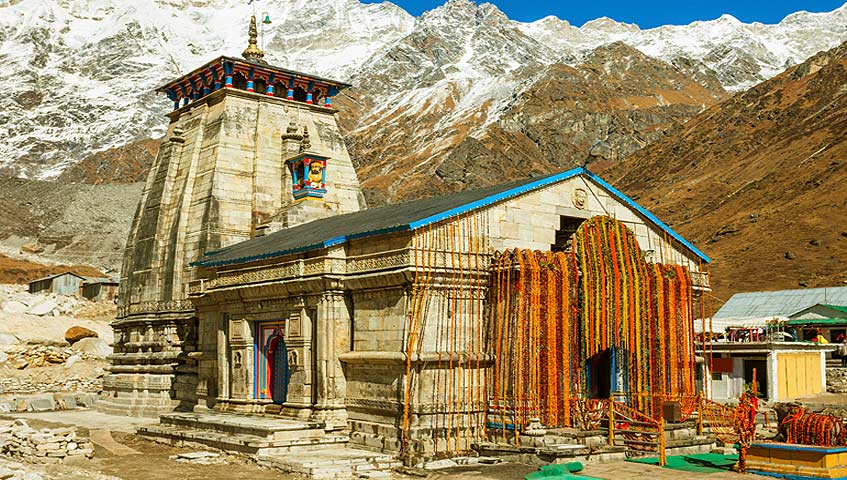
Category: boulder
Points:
column 14, row 307
column 93, row 346
column 44, row 307
column 77, row 333
column 8, row 340
column 72, row 360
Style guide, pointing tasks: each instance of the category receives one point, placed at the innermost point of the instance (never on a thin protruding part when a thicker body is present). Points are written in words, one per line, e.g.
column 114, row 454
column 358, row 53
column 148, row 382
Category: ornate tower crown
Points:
column 253, row 52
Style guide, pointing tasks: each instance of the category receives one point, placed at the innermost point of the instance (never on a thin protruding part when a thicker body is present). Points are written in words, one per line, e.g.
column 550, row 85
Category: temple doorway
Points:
column 272, row 369
column 599, row 373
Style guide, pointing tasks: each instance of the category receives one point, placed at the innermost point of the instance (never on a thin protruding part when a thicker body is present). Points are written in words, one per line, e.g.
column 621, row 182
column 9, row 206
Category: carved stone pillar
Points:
column 331, row 339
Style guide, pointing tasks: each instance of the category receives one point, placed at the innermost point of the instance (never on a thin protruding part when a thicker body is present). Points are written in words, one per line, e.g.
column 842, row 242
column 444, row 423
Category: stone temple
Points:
column 267, row 310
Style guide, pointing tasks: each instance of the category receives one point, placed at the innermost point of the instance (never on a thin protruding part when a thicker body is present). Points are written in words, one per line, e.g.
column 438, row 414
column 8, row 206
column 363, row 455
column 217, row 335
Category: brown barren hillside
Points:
column 13, row 270
column 758, row 182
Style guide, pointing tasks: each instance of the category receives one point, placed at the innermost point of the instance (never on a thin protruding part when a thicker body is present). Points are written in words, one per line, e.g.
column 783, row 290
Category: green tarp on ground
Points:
column 698, row 462
column 559, row 471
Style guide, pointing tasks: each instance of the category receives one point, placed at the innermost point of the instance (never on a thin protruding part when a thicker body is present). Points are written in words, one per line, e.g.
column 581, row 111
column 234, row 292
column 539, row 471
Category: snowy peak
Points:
column 609, row 26
column 741, row 54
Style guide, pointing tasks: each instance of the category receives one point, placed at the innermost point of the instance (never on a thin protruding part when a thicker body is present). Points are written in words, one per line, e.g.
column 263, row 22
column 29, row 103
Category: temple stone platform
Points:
column 564, row 445
column 291, row 446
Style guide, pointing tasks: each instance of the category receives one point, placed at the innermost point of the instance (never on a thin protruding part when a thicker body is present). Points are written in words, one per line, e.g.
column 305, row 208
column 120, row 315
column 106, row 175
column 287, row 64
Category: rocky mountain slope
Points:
column 72, row 223
column 758, row 180
column 79, row 74
column 617, row 96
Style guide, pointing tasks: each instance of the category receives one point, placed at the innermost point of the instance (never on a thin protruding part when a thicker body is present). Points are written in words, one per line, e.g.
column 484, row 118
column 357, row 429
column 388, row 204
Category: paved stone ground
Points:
column 610, row 471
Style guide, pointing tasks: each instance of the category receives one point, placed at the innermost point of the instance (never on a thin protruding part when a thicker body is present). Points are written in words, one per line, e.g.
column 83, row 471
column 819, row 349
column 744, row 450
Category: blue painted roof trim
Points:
column 643, row 211
column 542, row 182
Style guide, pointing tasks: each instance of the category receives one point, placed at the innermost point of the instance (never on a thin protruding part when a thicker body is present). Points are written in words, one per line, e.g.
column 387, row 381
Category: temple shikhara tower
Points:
column 266, row 310
column 251, row 148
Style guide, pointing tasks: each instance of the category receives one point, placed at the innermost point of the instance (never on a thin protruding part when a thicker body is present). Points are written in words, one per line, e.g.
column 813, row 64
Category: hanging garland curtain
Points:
column 551, row 313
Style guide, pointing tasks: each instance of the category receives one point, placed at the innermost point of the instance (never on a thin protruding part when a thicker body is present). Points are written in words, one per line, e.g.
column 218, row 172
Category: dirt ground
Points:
column 151, row 462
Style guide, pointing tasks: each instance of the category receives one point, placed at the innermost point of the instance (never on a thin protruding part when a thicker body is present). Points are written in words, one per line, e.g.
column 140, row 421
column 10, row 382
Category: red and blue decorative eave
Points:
column 220, row 73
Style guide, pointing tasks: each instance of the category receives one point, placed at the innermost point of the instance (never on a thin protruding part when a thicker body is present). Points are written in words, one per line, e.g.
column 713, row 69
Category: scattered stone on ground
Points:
column 32, row 356
column 34, row 353
column 199, row 458
column 47, row 306
column 43, row 368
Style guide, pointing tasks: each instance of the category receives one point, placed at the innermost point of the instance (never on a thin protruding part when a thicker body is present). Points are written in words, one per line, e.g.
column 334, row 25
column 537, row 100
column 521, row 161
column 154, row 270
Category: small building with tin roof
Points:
column 67, row 283
column 101, row 289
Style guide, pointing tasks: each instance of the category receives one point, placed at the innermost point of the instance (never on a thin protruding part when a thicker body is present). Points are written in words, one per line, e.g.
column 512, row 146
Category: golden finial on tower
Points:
column 253, row 51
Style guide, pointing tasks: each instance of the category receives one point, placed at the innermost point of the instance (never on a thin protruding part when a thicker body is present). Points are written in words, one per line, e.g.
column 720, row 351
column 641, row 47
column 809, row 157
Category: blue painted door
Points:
column 278, row 356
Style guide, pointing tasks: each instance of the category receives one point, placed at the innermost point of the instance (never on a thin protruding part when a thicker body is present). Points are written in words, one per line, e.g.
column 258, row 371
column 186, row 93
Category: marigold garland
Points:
column 600, row 299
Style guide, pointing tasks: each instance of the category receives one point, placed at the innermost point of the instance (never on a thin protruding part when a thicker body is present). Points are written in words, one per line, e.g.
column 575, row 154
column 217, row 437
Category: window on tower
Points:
column 299, row 94
column 260, row 85
column 239, row 81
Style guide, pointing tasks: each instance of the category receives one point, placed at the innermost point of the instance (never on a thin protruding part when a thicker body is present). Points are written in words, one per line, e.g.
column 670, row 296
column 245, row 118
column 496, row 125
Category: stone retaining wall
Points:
column 836, row 380
column 19, row 440
column 46, row 402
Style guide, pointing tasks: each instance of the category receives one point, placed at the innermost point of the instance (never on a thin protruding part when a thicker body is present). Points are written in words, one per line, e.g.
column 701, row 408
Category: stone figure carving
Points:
column 580, row 197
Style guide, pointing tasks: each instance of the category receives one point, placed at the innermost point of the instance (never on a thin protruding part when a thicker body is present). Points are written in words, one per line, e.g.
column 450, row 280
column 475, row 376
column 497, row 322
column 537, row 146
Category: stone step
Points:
column 234, row 442
column 270, row 428
column 333, row 463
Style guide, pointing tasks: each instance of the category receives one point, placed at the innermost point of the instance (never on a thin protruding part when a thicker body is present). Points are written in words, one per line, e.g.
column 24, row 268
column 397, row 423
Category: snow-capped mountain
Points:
column 79, row 74
column 741, row 54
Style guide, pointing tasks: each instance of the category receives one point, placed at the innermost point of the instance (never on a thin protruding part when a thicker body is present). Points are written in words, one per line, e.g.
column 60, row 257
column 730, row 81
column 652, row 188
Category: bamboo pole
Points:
column 662, row 459
column 611, row 421
column 700, row 413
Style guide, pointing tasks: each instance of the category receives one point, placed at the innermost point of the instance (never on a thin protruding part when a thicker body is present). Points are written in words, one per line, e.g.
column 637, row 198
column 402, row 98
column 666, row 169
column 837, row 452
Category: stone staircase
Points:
column 292, row 446
column 334, row 463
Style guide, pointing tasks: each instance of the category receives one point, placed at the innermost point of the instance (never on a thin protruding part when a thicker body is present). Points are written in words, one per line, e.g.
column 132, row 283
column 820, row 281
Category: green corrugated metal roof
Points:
column 818, row 321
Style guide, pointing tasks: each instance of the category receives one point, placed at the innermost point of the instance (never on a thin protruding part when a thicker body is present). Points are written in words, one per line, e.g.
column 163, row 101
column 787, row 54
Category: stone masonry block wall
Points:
column 836, row 380
column 531, row 221
column 19, row 440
